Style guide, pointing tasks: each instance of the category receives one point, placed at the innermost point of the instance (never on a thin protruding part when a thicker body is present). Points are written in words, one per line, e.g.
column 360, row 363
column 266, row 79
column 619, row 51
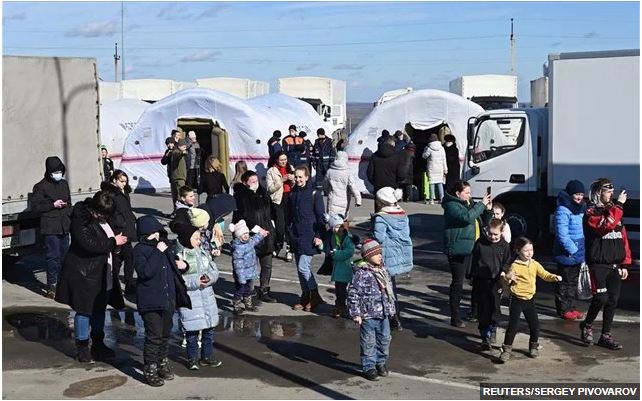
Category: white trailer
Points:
column 539, row 92
column 243, row 88
column 489, row 91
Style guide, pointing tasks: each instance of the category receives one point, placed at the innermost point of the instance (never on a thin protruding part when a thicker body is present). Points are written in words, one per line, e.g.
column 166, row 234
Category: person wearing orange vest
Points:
column 293, row 146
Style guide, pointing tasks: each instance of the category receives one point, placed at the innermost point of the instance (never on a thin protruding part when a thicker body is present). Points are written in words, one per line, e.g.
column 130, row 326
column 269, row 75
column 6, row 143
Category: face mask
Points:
column 254, row 187
column 449, row 143
column 56, row 176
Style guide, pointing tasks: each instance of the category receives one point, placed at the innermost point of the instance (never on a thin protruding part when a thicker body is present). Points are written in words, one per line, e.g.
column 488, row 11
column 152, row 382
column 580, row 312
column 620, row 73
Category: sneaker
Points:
column 288, row 257
column 192, row 364
column 457, row 323
column 212, row 363
column 485, row 344
column 578, row 314
column 371, row 374
column 569, row 315
column 184, row 343
column 51, row 291
column 607, row 341
column 382, row 370
column 506, row 353
column 586, row 333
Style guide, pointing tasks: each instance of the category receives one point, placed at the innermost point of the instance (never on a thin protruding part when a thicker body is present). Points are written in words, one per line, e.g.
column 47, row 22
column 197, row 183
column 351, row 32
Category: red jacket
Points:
column 606, row 238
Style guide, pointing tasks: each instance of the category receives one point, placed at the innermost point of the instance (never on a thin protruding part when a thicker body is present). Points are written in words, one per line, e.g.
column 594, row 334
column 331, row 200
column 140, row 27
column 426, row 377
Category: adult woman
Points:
column 569, row 247
column 253, row 206
column 452, row 160
column 86, row 280
column 306, row 226
column 339, row 185
column 239, row 169
column 213, row 181
column 280, row 178
column 437, row 169
column 122, row 221
column 461, row 230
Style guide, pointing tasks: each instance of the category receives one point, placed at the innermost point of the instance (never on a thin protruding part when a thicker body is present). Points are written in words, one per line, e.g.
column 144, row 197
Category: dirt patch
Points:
column 90, row 387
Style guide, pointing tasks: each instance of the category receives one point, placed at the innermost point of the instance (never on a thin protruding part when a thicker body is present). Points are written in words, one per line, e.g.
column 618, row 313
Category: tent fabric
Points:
column 249, row 124
column 117, row 120
column 423, row 109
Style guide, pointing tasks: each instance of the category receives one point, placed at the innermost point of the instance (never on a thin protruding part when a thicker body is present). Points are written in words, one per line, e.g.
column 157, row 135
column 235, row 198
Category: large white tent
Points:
column 248, row 126
column 117, row 120
column 422, row 109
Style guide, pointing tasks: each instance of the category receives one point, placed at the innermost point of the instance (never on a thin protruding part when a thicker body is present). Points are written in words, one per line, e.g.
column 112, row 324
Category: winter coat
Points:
column 45, row 193
column 166, row 160
column 526, row 273
column 339, row 184
column 490, row 259
column 365, row 298
column 460, row 219
column 255, row 209
column 341, row 258
column 606, row 238
column 181, row 215
column 568, row 247
column 213, row 183
column 155, row 269
column 274, row 146
column 123, row 219
column 452, row 162
column 392, row 231
column 305, row 206
column 323, row 151
column 178, row 165
column 274, row 182
column 407, row 161
column 435, row 156
column 204, row 312
column 384, row 169
column 108, row 168
column 244, row 260
column 82, row 282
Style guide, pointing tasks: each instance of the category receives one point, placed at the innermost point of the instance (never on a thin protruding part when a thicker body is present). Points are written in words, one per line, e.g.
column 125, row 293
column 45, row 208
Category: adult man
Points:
column 166, row 160
column 193, row 160
column 293, row 146
column 51, row 198
column 178, row 166
column 385, row 169
column 401, row 140
column 323, row 154
column 108, row 164
column 274, row 143
column 306, row 152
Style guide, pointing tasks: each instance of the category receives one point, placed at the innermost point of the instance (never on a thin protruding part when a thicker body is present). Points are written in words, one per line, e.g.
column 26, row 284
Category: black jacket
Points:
column 384, row 169
column 490, row 259
column 108, row 168
column 254, row 208
column 45, row 193
column 452, row 161
column 123, row 219
column 152, row 268
column 406, row 162
column 83, row 278
column 213, row 183
column 166, row 160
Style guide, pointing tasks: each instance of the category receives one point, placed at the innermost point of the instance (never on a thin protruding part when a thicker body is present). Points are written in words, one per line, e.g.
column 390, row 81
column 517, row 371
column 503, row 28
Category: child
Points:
column 491, row 256
column 159, row 290
column 186, row 201
column 244, row 263
column 371, row 304
column 498, row 213
column 521, row 278
column 200, row 219
column 341, row 251
column 201, row 274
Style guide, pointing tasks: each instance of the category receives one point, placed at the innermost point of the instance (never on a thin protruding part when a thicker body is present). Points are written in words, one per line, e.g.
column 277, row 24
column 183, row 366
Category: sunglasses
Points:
column 607, row 186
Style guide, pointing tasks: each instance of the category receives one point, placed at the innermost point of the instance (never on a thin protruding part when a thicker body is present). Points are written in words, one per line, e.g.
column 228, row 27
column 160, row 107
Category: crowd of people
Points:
column 88, row 243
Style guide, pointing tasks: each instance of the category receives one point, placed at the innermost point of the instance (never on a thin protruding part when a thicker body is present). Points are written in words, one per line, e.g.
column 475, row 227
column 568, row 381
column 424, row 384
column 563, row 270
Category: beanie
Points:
column 198, row 217
column 276, row 134
column 303, row 134
column 184, row 232
column 370, row 248
column 182, row 142
column 292, row 127
column 320, row 131
column 575, row 187
column 241, row 228
column 334, row 219
column 389, row 195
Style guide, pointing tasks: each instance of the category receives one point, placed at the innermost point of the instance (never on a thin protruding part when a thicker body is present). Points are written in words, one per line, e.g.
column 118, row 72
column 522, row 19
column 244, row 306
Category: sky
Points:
column 373, row 46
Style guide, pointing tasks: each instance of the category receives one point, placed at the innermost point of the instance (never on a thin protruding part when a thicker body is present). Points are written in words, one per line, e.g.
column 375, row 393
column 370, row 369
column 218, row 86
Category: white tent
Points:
column 146, row 89
column 248, row 125
column 422, row 109
column 108, row 91
column 117, row 120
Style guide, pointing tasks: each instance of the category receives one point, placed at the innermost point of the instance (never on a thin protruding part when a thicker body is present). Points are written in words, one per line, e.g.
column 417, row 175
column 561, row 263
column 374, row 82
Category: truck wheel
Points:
column 522, row 222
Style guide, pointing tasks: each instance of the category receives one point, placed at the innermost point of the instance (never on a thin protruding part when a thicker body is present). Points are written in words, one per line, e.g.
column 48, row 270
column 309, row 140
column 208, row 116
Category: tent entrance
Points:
column 212, row 138
column 420, row 138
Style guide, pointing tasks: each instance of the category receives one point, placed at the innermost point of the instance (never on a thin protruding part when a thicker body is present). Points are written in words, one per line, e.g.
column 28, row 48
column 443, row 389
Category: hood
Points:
column 396, row 221
column 384, row 150
column 435, row 145
column 564, row 199
column 219, row 206
column 341, row 161
column 148, row 225
column 181, row 205
column 53, row 163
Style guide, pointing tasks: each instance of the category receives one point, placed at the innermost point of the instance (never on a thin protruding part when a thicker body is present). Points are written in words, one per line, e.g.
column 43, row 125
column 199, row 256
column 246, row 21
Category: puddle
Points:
column 90, row 387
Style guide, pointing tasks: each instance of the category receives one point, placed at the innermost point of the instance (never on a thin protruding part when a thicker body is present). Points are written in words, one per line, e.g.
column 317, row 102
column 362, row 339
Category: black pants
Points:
column 459, row 266
column 487, row 298
column 322, row 168
column 341, row 291
column 266, row 270
column 516, row 308
column 606, row 283
column 407, row 192
column 394, row 290
column 566, row 290
column 158, row 328
column 125, row 257
column 192, row 178
column 281, row 219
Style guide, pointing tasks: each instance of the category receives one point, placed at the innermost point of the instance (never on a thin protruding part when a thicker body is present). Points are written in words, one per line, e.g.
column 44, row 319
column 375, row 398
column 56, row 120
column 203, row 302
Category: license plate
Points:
column 8, row 242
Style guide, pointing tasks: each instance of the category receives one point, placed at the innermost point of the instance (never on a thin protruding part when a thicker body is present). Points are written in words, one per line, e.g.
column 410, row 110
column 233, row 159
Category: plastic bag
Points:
column 584, row 290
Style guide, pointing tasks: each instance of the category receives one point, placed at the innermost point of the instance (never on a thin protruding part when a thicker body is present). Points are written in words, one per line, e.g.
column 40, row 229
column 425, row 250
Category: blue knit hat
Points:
column 575, row 187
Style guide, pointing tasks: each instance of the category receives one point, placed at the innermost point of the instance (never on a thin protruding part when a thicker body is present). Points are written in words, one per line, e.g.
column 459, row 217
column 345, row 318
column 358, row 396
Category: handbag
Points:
column 584, row 290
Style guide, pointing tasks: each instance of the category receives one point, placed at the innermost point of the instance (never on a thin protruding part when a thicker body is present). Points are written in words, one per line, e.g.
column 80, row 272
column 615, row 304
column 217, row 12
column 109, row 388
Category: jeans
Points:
column 433, row 191
column 565, row 290
column 57, row 246
column 306, row 277
column 607, row 283
column 265, row 262
column 459, row 265
column 82, row 322
column 158, row 328
column 516, row 307
column 126, row 258
column 207, row 343
column 487, row 298
column 374, row 340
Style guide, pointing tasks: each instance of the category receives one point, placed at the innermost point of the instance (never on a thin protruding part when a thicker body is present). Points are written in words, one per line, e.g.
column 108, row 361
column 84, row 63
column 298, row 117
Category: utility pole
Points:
column 512, row 48
column 116, row 58
column 122, row 39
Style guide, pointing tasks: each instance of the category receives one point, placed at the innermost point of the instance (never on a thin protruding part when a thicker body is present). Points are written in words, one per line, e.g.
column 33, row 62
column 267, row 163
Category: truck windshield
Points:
column 494, row 137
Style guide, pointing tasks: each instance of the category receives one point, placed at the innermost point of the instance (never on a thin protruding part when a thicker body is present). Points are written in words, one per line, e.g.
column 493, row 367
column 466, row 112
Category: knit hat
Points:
column 370, row 248
column 334, row 219
column 292, row 127
column 182, row 142
column 198, row 217
column 184, row 232
column 389, row 195
column 241, row 228
column 575, row 187
column 303, row 134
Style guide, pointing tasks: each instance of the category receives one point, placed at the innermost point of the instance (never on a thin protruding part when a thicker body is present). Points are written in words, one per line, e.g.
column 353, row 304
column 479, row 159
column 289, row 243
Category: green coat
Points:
column 341, row 259
column 178, row 166
column 459, row 224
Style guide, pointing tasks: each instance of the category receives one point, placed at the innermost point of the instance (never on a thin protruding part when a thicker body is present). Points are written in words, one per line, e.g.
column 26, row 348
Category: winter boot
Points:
column 506, row 352
column 265, row 296
column 151, row 375
column 303, row 301
column 165, row 370
column 315, row 300
column 256, row 297
column 533, row 351
column 249, row 305
column 98, row 348
column 607, row 341
column 586, row 333
column 82, row 352
column 237, row 306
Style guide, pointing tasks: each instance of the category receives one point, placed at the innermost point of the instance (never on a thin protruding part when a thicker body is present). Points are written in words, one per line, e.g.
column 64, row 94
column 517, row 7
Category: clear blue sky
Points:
column 374, row 46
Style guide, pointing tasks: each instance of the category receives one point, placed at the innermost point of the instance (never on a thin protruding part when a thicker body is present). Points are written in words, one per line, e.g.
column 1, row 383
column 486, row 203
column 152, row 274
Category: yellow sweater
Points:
column 526, row 274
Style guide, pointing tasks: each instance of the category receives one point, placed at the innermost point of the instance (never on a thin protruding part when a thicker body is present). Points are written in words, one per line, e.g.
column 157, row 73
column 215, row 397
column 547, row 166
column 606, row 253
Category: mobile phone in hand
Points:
column 488, row 188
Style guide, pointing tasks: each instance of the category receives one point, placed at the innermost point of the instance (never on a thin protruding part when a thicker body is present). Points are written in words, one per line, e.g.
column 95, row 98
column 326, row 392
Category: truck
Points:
column 243, row 88
column 489, row 91
column 590, row 129
column 539, row 92
column 50, row 107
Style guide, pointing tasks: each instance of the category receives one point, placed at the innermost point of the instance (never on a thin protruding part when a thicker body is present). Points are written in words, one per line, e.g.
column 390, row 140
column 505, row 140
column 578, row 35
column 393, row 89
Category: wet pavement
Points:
column 278, row 353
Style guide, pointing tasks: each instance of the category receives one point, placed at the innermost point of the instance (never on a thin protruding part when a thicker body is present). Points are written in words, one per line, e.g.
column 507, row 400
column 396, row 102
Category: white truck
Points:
column 327, row 96
column 49, row 108
column 489, row 91
column 590, row 129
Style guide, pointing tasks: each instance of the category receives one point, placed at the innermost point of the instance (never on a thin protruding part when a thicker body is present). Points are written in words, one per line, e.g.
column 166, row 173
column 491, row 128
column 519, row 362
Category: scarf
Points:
column 110, row 234
column 383, row 279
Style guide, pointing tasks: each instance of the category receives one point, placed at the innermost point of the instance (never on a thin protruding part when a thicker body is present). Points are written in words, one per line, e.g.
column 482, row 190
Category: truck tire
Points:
column 522, row 221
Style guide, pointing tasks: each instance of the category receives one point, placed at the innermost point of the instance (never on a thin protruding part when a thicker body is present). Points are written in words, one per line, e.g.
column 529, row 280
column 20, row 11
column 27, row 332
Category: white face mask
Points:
column 57, row 176
column 254, row 187
column 449, row 144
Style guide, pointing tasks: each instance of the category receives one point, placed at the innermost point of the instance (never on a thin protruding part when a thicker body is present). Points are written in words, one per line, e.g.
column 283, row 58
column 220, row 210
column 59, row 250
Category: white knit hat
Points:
column 389, row 195
column 334, row 219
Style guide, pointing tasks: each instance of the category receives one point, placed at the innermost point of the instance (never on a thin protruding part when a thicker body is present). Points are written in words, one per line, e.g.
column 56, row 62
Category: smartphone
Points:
column 623, row 189
column 488, row 190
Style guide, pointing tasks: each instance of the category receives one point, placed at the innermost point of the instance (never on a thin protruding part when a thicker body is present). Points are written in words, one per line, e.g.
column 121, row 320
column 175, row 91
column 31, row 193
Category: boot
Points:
column 586, row 333
column 506, row 352
column 303, row 301
column 256, row 297
column 237, row 306
column 51, row 291
column 249, row 305
column 533, row 350
column 606, row 340
column 82, row 352
column 265, row 296
column 165, row 370
column 151, row 375
column 98, row 348
column 315, row 300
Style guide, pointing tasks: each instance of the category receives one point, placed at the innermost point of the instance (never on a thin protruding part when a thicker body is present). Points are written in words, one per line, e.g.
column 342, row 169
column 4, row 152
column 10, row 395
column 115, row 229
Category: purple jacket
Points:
column 365, row 298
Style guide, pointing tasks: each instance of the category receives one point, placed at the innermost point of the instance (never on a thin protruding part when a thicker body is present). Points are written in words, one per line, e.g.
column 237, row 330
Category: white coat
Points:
column 435, row 156
column 339, row 184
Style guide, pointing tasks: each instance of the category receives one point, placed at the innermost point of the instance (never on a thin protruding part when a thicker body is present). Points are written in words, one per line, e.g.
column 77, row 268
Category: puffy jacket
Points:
column 306, row 218
column 123, row 219
column 407, row 161
column 435, row 156
column 569, row 231
column 606, row 238
column 255, row 208
column 45, row 193
column 244, row 260
column 392, row 231
column 365, row 298
column 339, row 184
column 384, row 169
column 341, row 258
column 459, row 224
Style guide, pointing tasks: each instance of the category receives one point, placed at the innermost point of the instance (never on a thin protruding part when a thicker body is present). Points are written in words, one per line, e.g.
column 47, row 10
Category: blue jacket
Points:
column 569, row 231
column 392, row 231
column 365, row 298
column 305, row 205
column 244, row 261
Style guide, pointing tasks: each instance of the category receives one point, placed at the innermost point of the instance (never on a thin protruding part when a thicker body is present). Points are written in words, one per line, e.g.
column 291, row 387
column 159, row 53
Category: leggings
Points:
column 516, row 308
